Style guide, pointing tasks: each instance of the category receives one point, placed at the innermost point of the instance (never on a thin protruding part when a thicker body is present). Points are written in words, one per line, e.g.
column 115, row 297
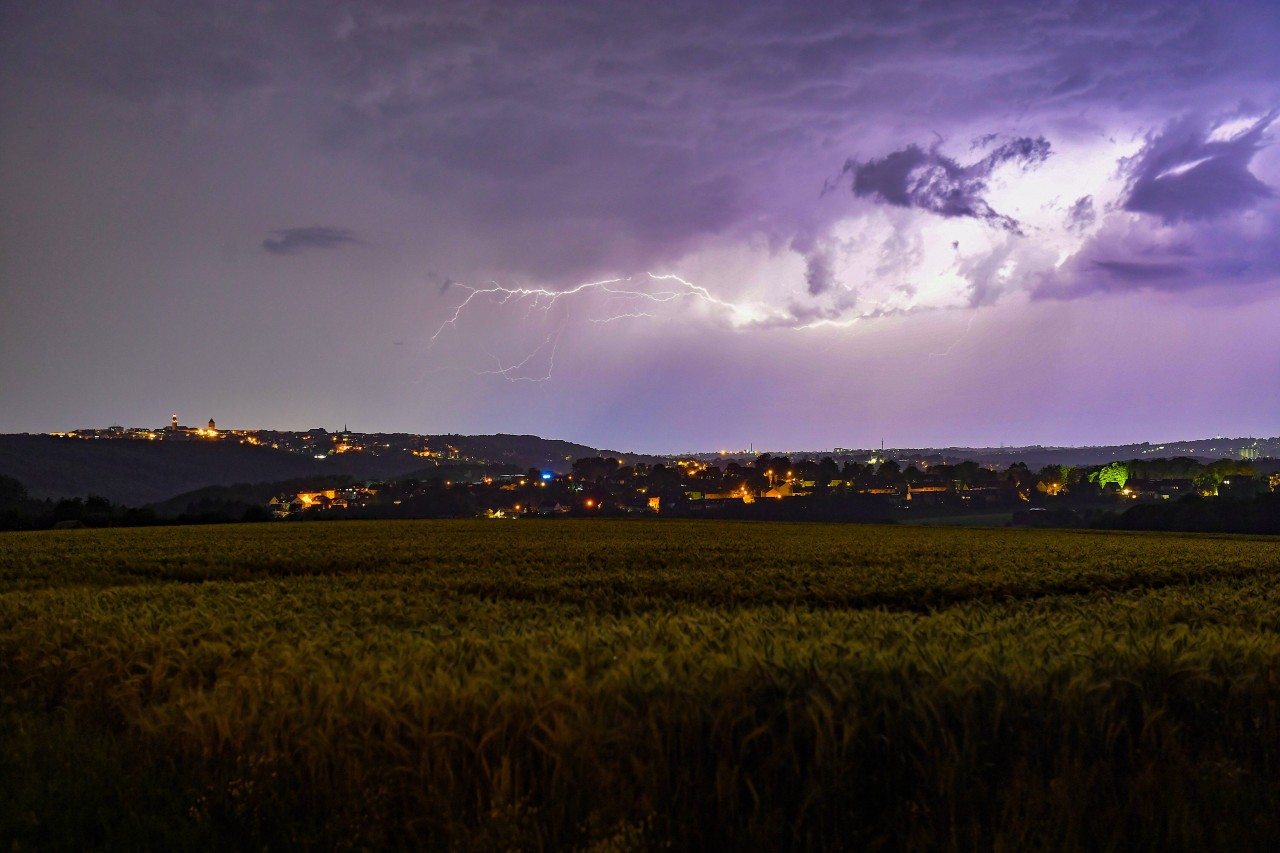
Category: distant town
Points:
column 318, row 443
column 321, row 443
column 350, row 474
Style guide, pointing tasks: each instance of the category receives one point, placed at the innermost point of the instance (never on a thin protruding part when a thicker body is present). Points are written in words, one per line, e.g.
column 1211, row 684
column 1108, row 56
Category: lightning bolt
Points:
column 626, row 316
column 826, row 322
column 552, row 340
column 503, row 295
column 541, row 298
column 635, row 293
column 968, row 327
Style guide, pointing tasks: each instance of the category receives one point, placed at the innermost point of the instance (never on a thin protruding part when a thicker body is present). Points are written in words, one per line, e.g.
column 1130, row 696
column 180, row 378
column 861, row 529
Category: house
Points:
column 928, row 493
column 1241, row 486
column 1162, row 489
column 719, row 502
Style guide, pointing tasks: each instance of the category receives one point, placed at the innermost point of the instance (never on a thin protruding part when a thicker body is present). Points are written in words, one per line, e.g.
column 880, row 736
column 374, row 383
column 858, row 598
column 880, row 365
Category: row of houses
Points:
column 282, row 506
column 928, row 492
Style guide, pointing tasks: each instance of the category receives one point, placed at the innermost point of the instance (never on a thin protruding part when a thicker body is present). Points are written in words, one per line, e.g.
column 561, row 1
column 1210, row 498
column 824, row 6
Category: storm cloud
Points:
column 1196, row 170
column 1122, row 155
column 932, row 181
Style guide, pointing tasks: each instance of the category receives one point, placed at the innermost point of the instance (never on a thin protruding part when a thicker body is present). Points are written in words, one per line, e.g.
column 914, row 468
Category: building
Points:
column 928, row 493
column 178, row 432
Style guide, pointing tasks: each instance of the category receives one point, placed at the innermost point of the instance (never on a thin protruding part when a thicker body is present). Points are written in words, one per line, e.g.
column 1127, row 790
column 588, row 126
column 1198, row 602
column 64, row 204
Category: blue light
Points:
column 547, row 475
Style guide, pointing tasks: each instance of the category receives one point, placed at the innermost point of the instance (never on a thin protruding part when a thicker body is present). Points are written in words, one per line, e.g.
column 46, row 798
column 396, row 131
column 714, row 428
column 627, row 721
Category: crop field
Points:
column 637, row 685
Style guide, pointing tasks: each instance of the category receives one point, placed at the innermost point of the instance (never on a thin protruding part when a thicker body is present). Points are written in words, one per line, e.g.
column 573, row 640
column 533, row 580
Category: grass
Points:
column 973, row 519
column 637, row 685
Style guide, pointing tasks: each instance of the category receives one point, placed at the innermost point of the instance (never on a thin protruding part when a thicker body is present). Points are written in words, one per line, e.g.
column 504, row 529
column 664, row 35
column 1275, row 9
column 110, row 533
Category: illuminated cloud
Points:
column 929, row 180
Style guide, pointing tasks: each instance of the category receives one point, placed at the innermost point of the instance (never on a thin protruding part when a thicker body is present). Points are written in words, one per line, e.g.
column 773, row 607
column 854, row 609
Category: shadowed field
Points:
column 637, row 685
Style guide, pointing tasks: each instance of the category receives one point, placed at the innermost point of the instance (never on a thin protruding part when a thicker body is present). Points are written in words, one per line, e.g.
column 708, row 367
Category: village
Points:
column 781, row 487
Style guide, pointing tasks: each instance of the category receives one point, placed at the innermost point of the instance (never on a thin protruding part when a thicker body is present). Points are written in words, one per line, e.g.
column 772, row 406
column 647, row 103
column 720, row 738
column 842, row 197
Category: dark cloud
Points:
column 561, row 148
column 1190, row 177
column 1141, row 272
column 1210, row 257
column 290, row 241
column 932, row 181
column 818, row 273
column 445, row 281
column 1189, row 172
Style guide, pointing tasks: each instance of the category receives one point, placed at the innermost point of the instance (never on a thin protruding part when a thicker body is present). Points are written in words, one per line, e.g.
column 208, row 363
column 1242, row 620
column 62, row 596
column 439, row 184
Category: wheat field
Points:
column 635, row 685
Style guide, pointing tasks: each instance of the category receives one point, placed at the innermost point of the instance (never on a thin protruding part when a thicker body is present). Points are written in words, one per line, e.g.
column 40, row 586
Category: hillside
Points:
column 531, row 451
column 143, row 472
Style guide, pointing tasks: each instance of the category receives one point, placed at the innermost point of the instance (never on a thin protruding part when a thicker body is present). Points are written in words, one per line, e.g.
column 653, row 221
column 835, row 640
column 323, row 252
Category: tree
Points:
column 13, row 495
column 16, row 510
column 594, row 469
column 968, row 473
column 69, row 509
column 1019, row 475
column 1116, row 472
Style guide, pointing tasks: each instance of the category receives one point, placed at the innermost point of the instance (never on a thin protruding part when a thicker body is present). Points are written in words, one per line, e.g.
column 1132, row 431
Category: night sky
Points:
column 642, row 226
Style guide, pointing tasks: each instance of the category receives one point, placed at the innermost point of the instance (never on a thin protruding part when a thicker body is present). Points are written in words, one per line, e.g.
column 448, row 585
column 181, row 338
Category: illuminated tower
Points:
column 211, row 425
column 173, row 424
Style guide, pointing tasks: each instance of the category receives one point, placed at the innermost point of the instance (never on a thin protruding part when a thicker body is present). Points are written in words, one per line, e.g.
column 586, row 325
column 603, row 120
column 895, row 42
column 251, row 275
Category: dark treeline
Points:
column 18, row 511
column 1193, row 513
column 1190, row 514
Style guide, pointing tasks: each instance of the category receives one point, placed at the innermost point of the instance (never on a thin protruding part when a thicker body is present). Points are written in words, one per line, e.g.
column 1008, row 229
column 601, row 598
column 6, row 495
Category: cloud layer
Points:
column 838, row 168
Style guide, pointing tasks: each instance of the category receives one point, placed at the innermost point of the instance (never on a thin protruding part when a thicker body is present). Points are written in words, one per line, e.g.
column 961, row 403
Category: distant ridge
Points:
column 137, row 472
column 141, row 472
column 1038, row 456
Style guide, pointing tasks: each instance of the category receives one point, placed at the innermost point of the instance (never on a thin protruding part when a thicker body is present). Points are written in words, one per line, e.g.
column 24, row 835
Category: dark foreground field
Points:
column 637, row 685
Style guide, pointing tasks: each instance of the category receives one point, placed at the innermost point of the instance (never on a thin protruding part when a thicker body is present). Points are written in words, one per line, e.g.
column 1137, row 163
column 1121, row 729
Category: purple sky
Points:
column 818, row 224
